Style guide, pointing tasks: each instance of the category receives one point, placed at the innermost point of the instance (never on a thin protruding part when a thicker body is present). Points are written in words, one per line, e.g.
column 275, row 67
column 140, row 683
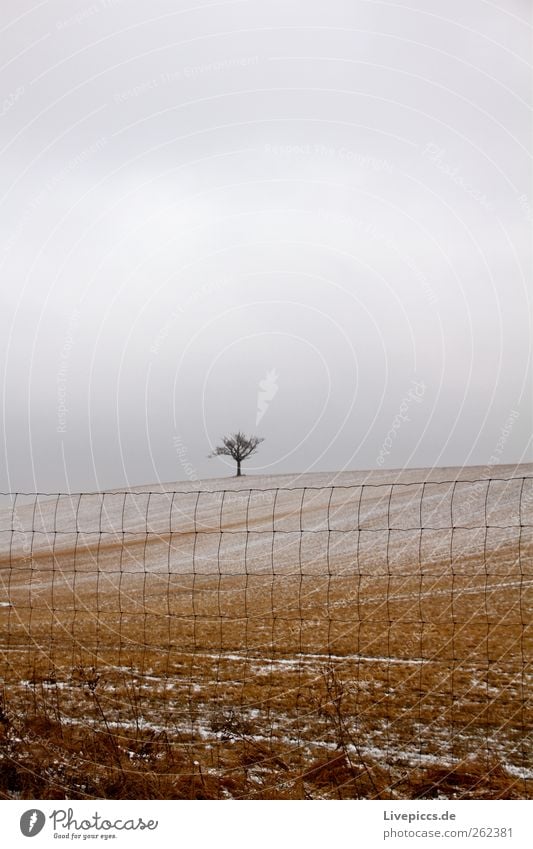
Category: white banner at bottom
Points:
column 267, row 824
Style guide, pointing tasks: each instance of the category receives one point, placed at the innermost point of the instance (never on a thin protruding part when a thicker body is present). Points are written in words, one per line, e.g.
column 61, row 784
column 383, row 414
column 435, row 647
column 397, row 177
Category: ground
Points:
column 359, row 635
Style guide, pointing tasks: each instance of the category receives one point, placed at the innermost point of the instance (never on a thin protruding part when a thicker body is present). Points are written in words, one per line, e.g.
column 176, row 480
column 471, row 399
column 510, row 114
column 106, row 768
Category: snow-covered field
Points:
column 384, row 510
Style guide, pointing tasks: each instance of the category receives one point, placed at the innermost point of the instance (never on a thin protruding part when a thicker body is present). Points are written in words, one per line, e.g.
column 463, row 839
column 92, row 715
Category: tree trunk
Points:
column 238, row 468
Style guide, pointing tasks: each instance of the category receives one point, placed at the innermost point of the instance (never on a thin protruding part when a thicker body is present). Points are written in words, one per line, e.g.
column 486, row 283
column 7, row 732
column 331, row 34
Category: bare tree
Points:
column 238, row 446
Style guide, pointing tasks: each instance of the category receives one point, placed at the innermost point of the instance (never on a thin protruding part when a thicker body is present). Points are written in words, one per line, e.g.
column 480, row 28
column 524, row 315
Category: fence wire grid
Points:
column 348, row 641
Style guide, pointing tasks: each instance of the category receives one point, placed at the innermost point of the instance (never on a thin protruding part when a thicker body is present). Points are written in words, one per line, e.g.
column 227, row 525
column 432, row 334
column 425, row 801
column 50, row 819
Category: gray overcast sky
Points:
column 321, row 207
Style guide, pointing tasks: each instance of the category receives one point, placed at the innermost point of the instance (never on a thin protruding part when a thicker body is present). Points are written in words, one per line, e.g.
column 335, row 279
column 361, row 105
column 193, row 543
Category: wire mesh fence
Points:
column 370, row 640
